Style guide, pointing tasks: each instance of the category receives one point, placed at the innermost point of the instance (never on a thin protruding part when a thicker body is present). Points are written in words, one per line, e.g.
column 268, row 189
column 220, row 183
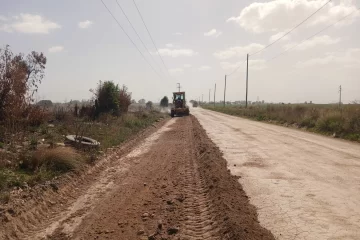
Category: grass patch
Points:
column 325, row 119
column 58, row 160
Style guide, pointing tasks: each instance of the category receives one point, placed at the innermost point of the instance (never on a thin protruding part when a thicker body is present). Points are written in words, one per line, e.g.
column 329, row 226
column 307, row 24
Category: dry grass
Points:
column 325, row 119
column 61, row 159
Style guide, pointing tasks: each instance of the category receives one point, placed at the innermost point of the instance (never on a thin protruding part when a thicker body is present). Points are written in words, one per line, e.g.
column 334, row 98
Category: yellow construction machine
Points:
column 179, row 105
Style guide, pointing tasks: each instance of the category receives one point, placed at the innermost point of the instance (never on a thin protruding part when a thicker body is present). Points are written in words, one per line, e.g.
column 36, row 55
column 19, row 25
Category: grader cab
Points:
column 179, row 105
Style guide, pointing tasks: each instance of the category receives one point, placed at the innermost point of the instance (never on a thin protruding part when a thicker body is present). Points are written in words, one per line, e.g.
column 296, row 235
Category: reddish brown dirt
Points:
column 173, row 185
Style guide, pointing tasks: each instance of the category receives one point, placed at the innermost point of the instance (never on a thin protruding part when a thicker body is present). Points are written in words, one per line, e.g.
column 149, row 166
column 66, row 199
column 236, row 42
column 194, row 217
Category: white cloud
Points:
column 324, row 40
column 5, row 28
column 85, row 24
column 169, row 45
column 238, row 51
column 3, row 18
column 177, row 52
column 187, row 65
column 349, row 59
column 212, row 33
column 176, row 71
column 279, row 35
column 279, row 15
column 28, row 23
column 56, row 49
column 230, row 66
column 204, row 68
column 256, row 64
column 178, row 33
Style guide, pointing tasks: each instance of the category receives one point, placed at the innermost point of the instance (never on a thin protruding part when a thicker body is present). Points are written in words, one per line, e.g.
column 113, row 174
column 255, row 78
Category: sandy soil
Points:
column 171, row 183
column 305, row 186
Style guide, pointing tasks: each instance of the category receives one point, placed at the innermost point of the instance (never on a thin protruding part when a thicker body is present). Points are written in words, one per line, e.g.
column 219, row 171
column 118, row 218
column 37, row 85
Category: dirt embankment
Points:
column 172, row 185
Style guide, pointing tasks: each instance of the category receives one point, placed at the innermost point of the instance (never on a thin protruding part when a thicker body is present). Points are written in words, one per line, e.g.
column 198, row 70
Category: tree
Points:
column 142, row 101
column 164, row 102
column 124, row 99
column 19, row 79
column 109, row 98
column 149, row 105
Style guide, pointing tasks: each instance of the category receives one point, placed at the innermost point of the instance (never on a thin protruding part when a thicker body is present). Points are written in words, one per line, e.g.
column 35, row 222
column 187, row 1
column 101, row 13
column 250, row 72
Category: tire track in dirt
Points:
column 199, row 221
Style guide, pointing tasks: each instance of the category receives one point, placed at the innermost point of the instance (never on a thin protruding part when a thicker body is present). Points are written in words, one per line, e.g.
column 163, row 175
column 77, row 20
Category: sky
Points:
column 199, row 41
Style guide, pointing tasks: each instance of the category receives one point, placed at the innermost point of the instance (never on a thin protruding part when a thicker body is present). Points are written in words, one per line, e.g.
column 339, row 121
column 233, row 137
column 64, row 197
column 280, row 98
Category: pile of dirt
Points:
column 234, row 211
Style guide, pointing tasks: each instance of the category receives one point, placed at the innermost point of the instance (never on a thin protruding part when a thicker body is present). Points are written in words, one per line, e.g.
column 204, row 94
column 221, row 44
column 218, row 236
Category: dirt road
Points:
column 305, row 186
column 169, row 183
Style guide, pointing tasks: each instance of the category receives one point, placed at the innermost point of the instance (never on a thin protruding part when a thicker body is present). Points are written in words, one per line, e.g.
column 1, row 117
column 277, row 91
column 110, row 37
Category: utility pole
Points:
column 209, row 95
column 224, row 90
column 202, row 100
column 340, row 89
column 178, row 86
column 247, row 77
column 214, row 94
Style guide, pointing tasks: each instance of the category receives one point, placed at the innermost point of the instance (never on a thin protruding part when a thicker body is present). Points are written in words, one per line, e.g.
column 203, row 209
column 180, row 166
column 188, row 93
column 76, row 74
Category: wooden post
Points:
column 224, row 90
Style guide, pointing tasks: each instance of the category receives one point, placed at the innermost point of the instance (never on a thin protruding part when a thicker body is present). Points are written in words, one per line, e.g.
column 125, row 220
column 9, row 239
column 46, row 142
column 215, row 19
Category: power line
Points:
column 152, row 40
column 132, row 26
column 288, row 32
column 236, row 69
column 130, row 39
column 322, row 30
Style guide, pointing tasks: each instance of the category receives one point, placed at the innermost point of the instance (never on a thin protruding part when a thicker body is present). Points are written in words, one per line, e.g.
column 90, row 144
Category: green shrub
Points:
column 260, row 118
column 353, row 137
column 331, row 122
column 308, row 122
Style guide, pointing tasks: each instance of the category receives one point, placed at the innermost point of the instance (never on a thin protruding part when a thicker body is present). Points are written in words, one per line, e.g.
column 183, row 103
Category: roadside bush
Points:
column 330, row 123
column 131, row 121
column 353, row 137
column 58, row 160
